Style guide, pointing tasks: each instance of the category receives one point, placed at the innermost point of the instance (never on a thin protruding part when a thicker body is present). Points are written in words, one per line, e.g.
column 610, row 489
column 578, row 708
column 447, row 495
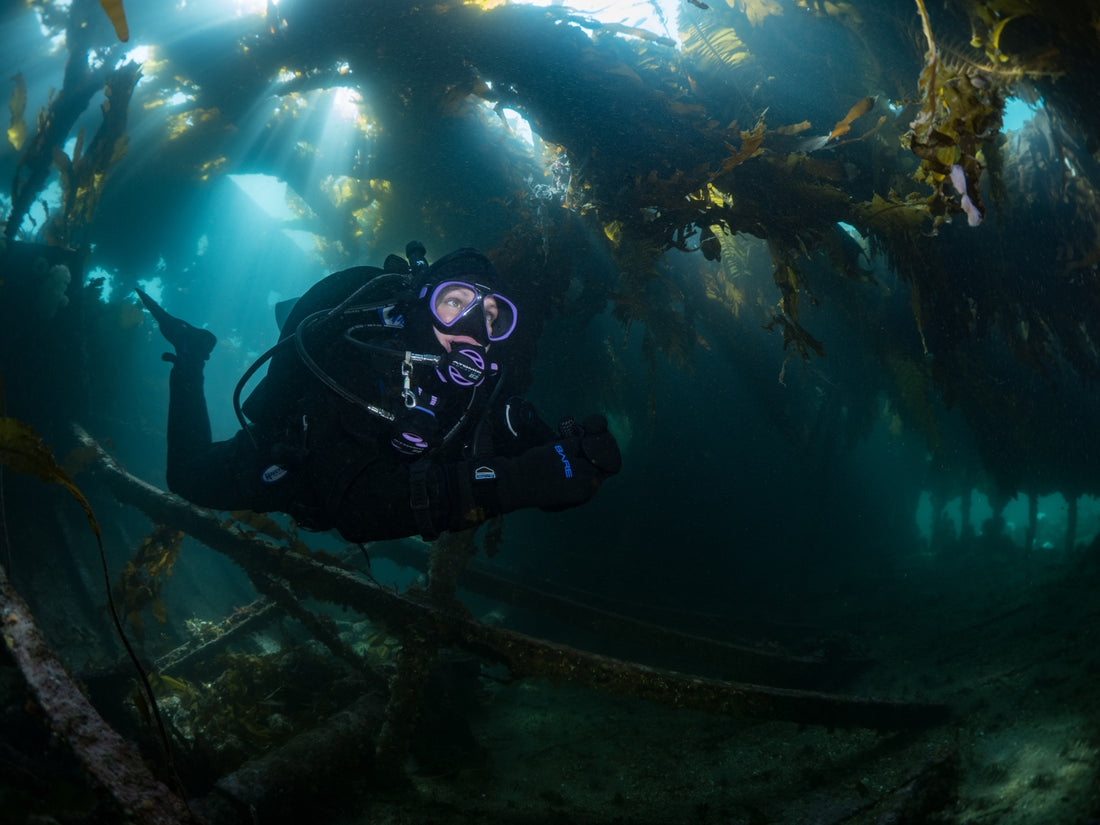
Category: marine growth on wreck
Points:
column 832, row 270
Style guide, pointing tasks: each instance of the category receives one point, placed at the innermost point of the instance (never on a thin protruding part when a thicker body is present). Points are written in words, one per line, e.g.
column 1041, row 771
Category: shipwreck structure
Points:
column 764, row 185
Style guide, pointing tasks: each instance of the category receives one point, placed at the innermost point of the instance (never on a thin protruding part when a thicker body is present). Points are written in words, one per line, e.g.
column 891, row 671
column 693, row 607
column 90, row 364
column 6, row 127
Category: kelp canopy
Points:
column 836, row 133
column 797, row 224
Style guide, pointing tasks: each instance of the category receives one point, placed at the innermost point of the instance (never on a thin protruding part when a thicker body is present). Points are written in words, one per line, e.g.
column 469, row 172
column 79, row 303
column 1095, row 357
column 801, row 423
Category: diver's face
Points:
column 451, row 303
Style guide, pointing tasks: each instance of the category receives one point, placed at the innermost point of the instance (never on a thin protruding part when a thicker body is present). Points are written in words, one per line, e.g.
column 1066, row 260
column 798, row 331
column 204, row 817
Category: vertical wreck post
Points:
column 1032, row 523
column 1071, row 521
column 419, row 649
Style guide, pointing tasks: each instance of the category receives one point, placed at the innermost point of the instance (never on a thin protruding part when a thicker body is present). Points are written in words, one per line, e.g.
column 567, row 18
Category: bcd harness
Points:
column 337, row 478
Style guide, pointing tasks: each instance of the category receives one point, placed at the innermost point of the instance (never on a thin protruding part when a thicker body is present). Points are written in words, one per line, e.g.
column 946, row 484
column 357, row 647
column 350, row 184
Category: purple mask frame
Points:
column 501, row 328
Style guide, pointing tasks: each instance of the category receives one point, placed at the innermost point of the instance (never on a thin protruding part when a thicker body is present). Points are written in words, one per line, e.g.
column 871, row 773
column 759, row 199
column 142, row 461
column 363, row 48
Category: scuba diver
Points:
column 385, row 410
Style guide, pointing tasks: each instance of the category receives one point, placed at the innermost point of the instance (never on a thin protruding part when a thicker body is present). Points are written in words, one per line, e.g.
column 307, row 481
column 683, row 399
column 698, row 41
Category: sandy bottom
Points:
column 1014, row 650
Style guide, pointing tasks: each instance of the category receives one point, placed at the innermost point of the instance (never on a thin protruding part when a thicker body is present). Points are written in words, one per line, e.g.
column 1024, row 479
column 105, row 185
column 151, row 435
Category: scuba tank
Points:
column 340, row 300
column 323, row 336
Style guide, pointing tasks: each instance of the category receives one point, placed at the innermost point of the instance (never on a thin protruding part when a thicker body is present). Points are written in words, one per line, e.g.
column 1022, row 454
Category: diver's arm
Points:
column 563, row 473
column 521, row 427
column 393, row 498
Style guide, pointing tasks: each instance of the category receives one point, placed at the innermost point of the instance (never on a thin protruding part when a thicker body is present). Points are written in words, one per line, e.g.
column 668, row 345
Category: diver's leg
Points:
column 191, row 461
column 189, row 341
column 189, row 438
column 205, row 472
column 223, row 475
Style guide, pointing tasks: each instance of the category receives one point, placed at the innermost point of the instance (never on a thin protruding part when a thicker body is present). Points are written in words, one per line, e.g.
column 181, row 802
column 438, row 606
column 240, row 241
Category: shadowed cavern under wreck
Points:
column 793, row 249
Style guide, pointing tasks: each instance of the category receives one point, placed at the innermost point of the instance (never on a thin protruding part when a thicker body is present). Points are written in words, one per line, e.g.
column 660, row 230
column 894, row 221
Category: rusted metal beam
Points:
column 110, row 761
column 246, row 620
column 523, row 655
column 728, row 659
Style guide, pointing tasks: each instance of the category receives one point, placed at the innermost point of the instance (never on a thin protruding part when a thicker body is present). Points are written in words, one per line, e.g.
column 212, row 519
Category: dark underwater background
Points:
column 829, row 269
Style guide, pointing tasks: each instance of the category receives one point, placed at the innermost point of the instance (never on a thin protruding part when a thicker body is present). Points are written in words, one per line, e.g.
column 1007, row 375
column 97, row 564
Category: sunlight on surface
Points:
column 153, row 287
column 228, row 11
column 308, row 242
column 519, row 125
column 245, row 7
column 345, row 103
column 657, row 16
column 179, row 98
column 140, row 54
column 108, row 282
column 268, row 193
column 1018, row 113
column 275, row 199
column 47, row 203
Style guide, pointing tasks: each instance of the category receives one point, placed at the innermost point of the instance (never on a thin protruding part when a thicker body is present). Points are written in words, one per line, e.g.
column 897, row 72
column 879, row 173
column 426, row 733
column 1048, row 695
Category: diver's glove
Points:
column 597, row 443
column 556, row 476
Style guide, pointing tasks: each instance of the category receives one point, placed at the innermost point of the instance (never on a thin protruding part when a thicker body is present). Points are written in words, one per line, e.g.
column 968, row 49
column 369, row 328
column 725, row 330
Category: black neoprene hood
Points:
column 464, row 264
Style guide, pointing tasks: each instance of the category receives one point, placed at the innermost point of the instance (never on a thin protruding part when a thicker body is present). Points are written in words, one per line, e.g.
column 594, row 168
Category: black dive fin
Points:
column 188, row 340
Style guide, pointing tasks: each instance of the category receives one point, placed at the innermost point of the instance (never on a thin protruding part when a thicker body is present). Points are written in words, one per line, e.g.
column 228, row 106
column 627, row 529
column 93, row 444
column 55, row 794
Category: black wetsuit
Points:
column 328, row 461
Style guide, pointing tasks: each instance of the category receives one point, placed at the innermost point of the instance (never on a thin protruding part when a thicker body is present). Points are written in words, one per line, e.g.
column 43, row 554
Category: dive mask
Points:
column 473, row 310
